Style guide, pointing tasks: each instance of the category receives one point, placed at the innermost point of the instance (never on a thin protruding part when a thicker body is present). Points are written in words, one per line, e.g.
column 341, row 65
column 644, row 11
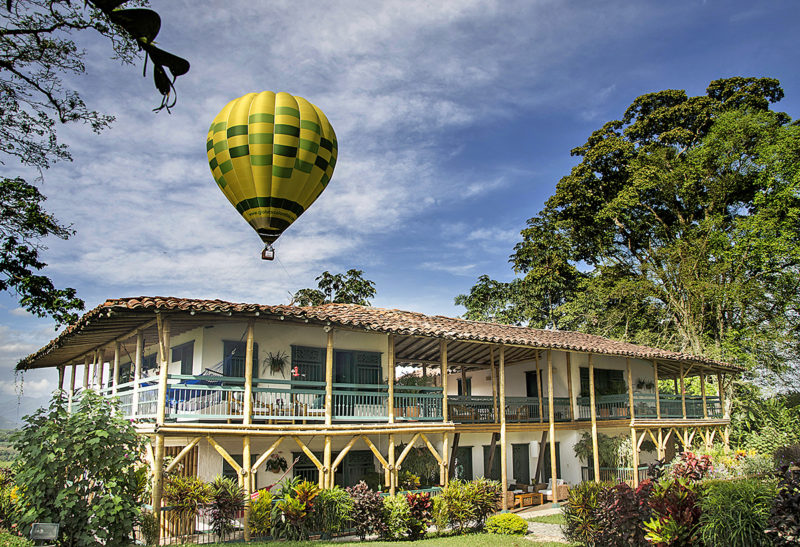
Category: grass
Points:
column 468, row 540
column 549, row 519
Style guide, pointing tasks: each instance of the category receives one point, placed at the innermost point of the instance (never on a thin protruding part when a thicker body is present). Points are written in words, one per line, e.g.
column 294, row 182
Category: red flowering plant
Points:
column 692, row 467
column 421, row 507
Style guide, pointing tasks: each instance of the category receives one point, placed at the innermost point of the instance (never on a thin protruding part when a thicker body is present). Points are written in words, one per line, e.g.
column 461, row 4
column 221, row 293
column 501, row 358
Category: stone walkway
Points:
column 540, row 530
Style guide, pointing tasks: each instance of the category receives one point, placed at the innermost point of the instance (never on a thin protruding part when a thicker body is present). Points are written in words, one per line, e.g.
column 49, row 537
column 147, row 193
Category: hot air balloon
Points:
column 272, row 155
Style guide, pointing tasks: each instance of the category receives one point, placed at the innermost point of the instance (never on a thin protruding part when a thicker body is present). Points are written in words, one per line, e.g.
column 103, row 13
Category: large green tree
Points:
column 346, row 288
column 684, row 218
column 37, row 51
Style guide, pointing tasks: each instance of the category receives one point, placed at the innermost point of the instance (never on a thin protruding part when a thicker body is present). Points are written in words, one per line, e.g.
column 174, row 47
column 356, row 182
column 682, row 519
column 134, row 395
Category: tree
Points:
column 79, row 469
column 348, row 288
column 684, row 218
column 36, row 51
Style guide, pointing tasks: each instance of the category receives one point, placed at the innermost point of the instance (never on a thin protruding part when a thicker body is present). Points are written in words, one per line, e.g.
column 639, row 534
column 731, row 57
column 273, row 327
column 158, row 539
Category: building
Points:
column 221, row 387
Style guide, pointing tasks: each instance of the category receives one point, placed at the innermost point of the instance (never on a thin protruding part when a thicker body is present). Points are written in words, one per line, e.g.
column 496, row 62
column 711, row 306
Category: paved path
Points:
column 542, row 531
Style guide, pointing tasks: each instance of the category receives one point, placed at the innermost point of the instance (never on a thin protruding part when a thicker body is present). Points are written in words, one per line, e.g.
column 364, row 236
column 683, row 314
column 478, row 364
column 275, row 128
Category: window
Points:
column 606, row 381
column 546, row 471
column 531, row 383
column 305, row 468
column 233, row 356
column 463, row 463
column 350, row 367
column 149, row 362
column 494, row 472
column 229, row 472
column 185, row 354
column 461, row 387
column 125, row 373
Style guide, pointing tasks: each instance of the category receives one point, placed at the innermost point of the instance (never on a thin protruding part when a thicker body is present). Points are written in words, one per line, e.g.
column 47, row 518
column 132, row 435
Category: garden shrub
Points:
column 692, row 467
column 483, row 494
column 186, row 495
column 7, row 539
column 758, row 465
column 9, row 505
column 676, row 513
column 290, row 512
column 465, row 504
column 227, row 502
column 261, row 514
column 367, row 512
column 421, row 508
column 148, row 527
column 735, row 513
column 507, row 524
column 331, row 511
column 787, row 455
column 784, row 520
column 396, row 517
column 79, row 470
column 582, row 512
column 622, row 512
column 409, row 481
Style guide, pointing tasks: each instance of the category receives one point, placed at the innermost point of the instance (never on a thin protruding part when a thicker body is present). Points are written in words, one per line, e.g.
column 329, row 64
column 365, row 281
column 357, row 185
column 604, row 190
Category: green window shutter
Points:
column 233, row 358
column 520, row 459
column 461, row 387
column 185, row 354
column 585, row 381
column 546, row 462
column 531, row 384
column 494, row 472
column 310, row 363
column 463, row 463
column 368, row 367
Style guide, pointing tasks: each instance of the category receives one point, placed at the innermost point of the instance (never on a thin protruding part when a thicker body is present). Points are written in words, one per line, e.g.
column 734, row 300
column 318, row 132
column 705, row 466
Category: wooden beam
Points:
column 246, row 472
column 492, row 447
column 158, row 479
column 390, row 358
column 431, row 448
column 635, row 449
column 224, row 453
column 494, row 385
column 683, row 392
column 182, row 454
column 630, row 390
column 115, row 373
column 72, row 388
column 539, row 473
column 593, row 411
column 86, row 373
column 327, row 476
column 163, row 358
column 393, row 475
column 137, row 372
column 342, row 454
column 444, row 475
column 703, row 392
column 406, row 450
column 307, row 452
column 658, row 398
column 377, row 452
column 453, row 452
column 263, row 457
column 552, row 421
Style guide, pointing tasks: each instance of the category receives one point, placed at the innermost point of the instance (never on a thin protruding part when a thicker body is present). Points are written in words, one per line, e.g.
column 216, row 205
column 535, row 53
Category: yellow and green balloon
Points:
column 272, row 155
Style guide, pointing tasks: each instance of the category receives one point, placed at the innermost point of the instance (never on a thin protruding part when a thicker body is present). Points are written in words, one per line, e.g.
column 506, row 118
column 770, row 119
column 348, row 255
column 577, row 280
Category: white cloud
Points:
column 454, row 269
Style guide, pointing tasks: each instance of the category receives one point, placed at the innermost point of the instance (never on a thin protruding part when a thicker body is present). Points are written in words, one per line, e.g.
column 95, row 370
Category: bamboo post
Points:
column 102, row 368
column 326, row 462
column 390, row 358
column 443, row 357
column 552, row 419
column 539, row 389
column 329, row 378
column 115, row 374
column 393, row 475
column 61, row 378
column 721, row 391
column 635, row 462
column 247, row 419
column 593, row 410
column 86, row 372
column 661, row 448
column 444, row 467
column 703, row 393
column 72, row 386
column 494, row 383
column 137, row 372
column 658, row 398
column 683, row 393
column 503, row 440
column 158, row 464
column 569, row 387
column 630, row 388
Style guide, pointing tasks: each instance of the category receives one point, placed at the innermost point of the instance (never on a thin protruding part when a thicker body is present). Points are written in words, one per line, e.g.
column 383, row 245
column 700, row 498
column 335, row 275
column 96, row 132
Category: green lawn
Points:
column 468, row 540
column 549, row 519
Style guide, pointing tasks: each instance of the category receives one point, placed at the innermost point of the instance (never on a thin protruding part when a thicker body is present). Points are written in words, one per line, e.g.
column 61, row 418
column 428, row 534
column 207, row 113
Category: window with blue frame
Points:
column 233, row 358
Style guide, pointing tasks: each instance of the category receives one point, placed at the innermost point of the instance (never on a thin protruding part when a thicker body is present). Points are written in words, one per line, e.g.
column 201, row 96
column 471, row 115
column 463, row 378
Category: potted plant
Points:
column 277, row 362
column 276, row 464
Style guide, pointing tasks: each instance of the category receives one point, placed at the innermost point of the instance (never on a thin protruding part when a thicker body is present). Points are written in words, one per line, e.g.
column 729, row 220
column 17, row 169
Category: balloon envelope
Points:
column 272, row 155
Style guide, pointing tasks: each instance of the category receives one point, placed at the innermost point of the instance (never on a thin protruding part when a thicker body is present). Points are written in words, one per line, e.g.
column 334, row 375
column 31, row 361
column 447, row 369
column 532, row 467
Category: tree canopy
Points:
column 346, row 288
column 37, row 50
column 678, row 228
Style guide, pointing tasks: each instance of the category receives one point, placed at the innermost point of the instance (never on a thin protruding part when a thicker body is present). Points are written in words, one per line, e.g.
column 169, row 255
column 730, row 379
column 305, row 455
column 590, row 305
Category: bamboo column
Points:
column 158, row 454
column 86, row 372
column 390, row 358
column 703, row 393
column 569, row 387
column 503, row 440
column 593, row 410
column 539, row 389
column 137, row 372
column 72, row 387
column 102, row 366
column 635, row 462
column 443, row 357
column 61, row 378
column 630, row 388
column 329, row 379
column 327, row 466
column 552, row 419
column 444, row 466
column 115, row 373
column 247, row 419
column 727, row 431
column 393, row 475
column 494, row 383
column 660, row 450
column 683, row 393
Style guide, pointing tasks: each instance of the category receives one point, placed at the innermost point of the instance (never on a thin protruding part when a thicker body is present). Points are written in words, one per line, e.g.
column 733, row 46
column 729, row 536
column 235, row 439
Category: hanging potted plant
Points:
column 276, row 464
column 277, row 363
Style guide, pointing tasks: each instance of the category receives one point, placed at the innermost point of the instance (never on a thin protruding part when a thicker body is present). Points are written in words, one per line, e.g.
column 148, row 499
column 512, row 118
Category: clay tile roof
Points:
column 374, row 319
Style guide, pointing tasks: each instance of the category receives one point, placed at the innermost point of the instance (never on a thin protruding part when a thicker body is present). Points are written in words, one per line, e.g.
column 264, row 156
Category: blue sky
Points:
column 454, row 120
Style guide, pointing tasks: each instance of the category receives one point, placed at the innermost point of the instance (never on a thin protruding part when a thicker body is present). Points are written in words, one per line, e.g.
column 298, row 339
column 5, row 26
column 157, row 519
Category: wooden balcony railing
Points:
column 480, row 409
column 609, row 407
